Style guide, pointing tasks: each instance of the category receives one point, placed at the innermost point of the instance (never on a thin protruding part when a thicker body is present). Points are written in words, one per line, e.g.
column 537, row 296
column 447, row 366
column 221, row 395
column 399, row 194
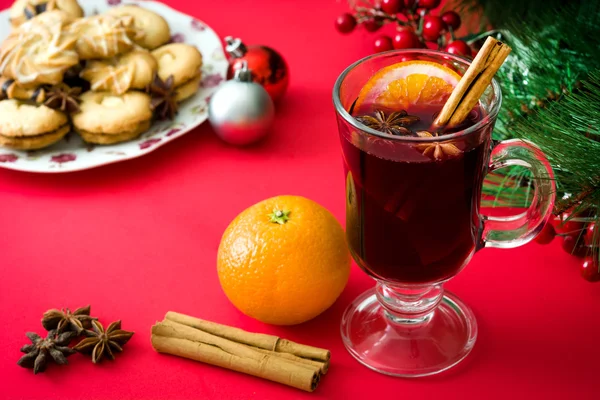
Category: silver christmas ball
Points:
column 241, row 111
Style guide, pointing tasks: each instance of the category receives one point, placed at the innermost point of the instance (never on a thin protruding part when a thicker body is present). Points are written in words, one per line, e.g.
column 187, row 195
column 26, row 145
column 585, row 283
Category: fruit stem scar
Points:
column 280, row 216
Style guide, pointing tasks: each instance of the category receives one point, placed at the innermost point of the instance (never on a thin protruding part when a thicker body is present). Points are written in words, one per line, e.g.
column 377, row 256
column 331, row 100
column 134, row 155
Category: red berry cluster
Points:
column 578, row 238
column 416, row 25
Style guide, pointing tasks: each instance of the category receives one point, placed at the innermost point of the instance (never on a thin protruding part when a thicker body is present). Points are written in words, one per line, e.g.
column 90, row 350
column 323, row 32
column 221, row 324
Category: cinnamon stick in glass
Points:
column 260, row 340
column 476, row 79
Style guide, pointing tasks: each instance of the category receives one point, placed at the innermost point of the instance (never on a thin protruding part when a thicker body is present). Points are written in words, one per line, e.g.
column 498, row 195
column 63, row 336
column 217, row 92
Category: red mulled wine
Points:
column 412, row 209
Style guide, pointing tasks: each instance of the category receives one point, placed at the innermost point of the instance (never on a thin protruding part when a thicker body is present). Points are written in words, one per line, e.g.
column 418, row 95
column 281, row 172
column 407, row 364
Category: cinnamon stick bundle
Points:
column 233, row 348
column 476, row 79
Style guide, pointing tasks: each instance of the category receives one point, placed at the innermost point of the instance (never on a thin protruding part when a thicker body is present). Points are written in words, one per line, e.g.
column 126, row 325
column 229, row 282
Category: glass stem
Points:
column 409, row 305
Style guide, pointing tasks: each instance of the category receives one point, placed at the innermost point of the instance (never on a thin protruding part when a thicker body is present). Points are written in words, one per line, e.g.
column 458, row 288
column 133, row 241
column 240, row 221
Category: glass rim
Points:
column 488, row 119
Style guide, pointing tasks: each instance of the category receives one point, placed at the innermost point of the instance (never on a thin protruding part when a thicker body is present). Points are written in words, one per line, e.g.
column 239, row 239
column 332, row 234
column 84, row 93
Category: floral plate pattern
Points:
column 72, row 154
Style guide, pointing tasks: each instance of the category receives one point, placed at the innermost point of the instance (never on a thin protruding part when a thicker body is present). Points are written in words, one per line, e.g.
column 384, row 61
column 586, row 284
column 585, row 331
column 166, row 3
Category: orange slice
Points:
column 400, row 85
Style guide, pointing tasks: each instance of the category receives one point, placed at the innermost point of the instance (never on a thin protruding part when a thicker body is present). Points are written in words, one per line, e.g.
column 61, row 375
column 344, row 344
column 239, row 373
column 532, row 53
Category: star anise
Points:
column 394, row 123
column 437, row 150
column 64, row 98
column 65, row 320
column 40, row 351
column 103, row 343
column 163, row 94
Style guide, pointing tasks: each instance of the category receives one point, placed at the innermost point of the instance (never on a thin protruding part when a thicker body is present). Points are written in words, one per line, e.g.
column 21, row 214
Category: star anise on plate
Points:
column 394, row 123
column 63, row 97
column 41, row 351
column 437, row 150
column 163, row 94
column 65, row 320
column 103, row 343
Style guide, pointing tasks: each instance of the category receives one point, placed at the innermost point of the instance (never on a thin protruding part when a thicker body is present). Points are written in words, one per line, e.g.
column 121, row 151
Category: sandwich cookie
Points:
column 106, row 118
column 30, row 127
column 183, row 62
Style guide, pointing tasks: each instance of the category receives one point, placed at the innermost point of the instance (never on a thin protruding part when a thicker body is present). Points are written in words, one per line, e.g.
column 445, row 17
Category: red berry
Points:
column 429, row 4
column 383, row 43
column 590, row 270
column 567, row 225
column 345, row 23
column 391, row 6
column 406, row 39
column 573, row 246
column 452, row 19
column 546, row 235
column 588, row 236
column 372, row 24
column 459, row 48
column 433, row 27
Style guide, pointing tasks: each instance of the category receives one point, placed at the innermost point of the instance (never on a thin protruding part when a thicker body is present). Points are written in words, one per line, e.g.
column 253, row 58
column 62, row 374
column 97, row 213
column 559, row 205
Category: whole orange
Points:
column 284, row 260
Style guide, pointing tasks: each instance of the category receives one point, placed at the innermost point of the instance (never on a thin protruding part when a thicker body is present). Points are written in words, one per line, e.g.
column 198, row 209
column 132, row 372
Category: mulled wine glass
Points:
column 413, row 221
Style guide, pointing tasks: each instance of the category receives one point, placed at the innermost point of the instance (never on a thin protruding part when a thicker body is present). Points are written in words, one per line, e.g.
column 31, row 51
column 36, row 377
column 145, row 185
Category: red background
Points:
column 139, row 238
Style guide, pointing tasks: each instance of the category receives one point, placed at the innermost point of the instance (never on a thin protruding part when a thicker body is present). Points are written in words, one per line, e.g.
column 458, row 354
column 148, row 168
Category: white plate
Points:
column 71, row 154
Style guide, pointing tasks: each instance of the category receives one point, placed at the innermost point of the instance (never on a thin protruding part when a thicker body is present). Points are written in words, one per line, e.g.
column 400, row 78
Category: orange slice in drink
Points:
column 408, row 83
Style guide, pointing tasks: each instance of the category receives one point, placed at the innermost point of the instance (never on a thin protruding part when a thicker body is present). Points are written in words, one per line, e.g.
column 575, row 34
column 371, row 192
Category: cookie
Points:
column 183, row 61
column 29, row 127
column 134, row 70
column 106, row 118
column 23, row 10
column 39, row 51
column 155, row 28
column 9, row 89
column 104, row 36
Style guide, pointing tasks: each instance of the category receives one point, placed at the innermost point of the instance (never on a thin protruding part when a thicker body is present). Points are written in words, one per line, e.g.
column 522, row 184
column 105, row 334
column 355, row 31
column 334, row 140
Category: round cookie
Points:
column 39, row 51
column 155, row 28
column 23, row 10
column 188, row 89
column 183, row 61
column 104, row 36
column 106, row 118
column 29, row 127
column 134, row 70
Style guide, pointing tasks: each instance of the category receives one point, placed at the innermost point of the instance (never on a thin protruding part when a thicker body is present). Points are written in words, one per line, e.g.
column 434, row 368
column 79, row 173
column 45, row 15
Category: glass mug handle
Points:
column 517, row 230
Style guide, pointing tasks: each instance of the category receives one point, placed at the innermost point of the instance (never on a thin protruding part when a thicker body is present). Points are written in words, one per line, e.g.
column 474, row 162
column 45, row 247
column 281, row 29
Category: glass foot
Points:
column 408, row 347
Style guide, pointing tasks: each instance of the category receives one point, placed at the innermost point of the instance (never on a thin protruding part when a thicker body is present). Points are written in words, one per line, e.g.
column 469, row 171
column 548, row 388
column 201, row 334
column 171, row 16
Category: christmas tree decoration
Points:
column 551, row 96
column 241, row 111
column 268, row 67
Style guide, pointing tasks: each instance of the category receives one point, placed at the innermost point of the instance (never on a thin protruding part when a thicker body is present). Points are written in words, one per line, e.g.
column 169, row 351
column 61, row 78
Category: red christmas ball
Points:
column 546, row 235
column 406, row 39
column 459, row 48
column 391, row 6
column 590, row 269
column 574, row 246
column 567, row 225
column 452, row 19
column 429, row 4
column 345, row 23
column 268, row 67
column 383, row 43
column 433, row 27
column 372, row 24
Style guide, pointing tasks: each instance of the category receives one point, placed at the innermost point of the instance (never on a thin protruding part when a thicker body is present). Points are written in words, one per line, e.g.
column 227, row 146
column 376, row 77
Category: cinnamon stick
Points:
column 301, row 378
column 176, row 330
column 476, row 79
column 263, row 341
column 322, row 366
